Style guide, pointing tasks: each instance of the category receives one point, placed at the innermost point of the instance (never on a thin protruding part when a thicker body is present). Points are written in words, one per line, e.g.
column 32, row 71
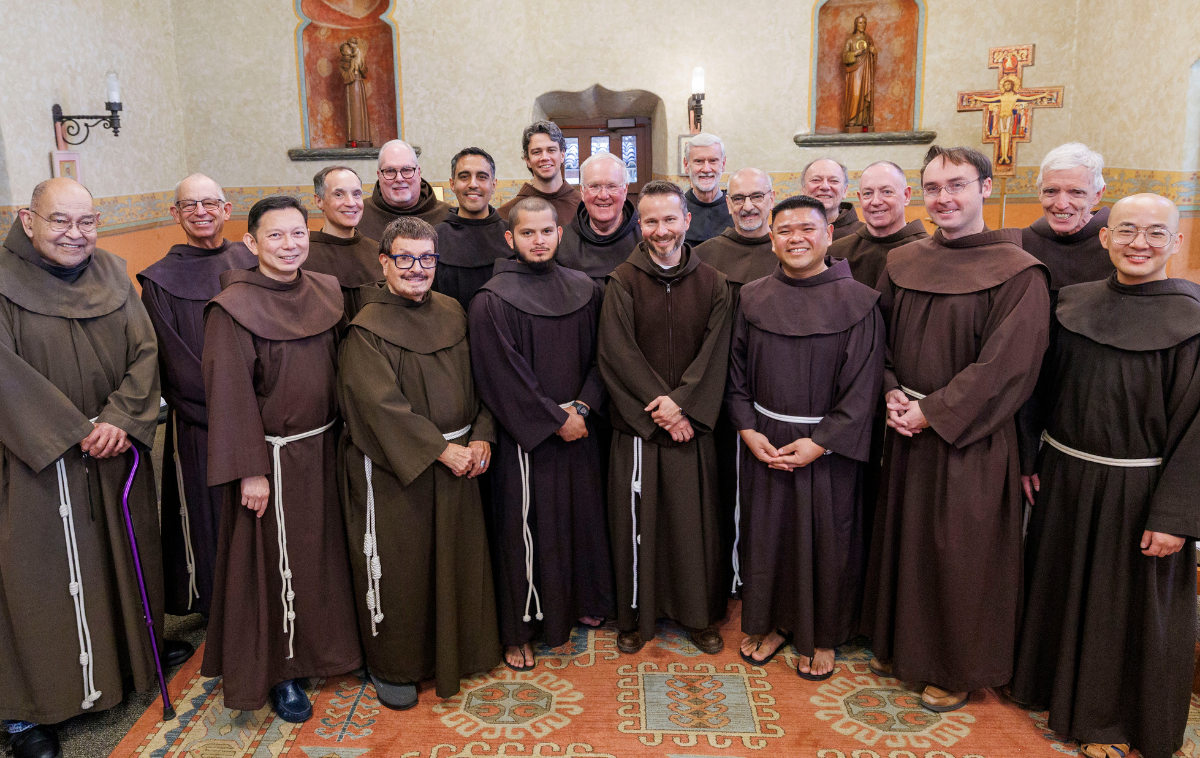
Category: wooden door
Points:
column 626, row 137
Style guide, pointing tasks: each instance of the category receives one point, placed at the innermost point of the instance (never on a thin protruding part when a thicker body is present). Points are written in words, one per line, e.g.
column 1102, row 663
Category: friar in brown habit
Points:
column 175, row 291
column 544, row 150
column 416, row 438
column 743, row 254
column 1067, row 241
column 664, row 348
column 533, row 352
column 883, row 194
column 339, row 249
column 80, row 370
column 605, row 229
column 471, row 238
column 282, row 602
column 1107, row 638
column 968, row 315
column 399, row 191
column 828, row 181
column 805, row 367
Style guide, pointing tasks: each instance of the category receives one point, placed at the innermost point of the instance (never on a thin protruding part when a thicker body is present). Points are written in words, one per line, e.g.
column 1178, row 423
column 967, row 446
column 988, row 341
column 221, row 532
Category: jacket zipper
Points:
column 670, row 339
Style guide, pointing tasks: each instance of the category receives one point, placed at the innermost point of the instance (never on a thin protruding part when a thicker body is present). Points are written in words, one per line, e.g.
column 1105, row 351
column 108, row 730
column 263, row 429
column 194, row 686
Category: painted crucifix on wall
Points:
column 1008, row 109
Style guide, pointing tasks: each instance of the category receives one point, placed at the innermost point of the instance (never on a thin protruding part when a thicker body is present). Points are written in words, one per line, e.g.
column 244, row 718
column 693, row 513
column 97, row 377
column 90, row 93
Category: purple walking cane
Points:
column 168, row 709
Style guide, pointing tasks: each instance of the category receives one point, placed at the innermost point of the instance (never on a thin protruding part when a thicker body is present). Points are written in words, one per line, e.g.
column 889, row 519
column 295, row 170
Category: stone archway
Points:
column 598, row 101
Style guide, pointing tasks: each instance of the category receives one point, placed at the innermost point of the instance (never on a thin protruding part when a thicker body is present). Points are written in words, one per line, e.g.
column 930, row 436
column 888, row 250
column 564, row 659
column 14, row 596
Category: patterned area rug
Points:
column 585, row 700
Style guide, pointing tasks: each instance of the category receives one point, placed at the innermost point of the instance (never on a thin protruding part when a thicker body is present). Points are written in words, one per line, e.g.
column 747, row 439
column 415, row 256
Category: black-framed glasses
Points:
column 212, row 205
column 405, row 262
column 1156, row 236
column 740, row 200
column 408, row 172
column 58, row 224
column 953, row 188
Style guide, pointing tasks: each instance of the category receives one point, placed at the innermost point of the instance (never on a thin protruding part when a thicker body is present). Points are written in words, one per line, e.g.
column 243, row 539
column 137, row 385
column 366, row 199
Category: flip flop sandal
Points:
column 1104, row 750
column 787, row 638
column 815, row 677
column 946, row 708
column 520, row 669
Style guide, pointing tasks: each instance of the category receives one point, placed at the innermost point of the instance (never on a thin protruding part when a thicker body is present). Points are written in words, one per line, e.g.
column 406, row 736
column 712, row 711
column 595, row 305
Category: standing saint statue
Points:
column 858, row 56
column 354, row 71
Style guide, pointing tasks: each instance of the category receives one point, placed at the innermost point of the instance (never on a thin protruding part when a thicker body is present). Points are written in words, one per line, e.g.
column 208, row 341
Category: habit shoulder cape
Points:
column 377, row 213
column 708, row 219
column 808, row 348
column 565, row 201
column 595, row 254
column 405, row 384
column 353, row 261
column 270, row 369
column 967, row 322
column 175, row 290
column 467, row 248
column 70, row 352
column 847, row 222
column 741, row 259
column 533, row 348
column 1106, row 642
column 868, row 254
column 665, row 332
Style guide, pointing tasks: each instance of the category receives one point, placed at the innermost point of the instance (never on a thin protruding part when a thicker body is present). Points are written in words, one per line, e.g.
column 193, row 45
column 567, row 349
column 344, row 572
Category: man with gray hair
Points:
column 827, row 180
column 339, row 249
column 544, row 150
column 604, row 230
column 1066, row 239
column 704, row 160
column 400, row 191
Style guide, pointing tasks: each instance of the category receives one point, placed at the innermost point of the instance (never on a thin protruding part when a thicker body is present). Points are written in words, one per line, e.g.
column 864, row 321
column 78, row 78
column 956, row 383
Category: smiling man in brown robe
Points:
column 175, row 291
column 828, row 181
column 399, row 191
column 533, row 352
column 742, row 253
column 543, row 148
column 1107, row 638
column 416, row 438
column 805, row 367
column 1067, row 241
column 968, row 315
column 80, row 370
column 282, row 604
column 883, row 194
column 471, row 238
column 339, row 249
column 604, row 230
column 664, row 348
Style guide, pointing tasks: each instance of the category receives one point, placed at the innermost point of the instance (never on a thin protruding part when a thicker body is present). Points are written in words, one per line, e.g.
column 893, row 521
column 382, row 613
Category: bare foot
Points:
column 822, row 661
column 750, row 643
column 763, row 646
column 518, row 657
column 591, row 621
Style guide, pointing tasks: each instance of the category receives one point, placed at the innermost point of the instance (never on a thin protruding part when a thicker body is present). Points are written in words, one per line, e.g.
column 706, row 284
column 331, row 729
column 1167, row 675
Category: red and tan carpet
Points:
column 585, row 700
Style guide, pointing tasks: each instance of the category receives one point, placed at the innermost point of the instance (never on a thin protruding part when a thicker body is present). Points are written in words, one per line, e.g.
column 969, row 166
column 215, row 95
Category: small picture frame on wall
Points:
column 65, row 163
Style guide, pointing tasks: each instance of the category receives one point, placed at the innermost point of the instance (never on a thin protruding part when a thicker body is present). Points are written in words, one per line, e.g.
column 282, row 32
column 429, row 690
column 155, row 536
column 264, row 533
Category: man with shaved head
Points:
column 175, row 291
column 339, row 248
column 1107, row 638
column 704, row 161
column 604, row 230
column 399, row 191
column 827, row 180
column 883, row 194
column 80, row 368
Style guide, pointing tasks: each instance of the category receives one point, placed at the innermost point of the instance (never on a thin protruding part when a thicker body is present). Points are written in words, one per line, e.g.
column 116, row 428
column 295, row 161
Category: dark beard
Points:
column 539, row 267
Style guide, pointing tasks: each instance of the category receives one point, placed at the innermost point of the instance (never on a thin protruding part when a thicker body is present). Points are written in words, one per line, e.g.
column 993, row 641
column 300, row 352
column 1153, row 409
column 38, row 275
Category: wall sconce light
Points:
column 72, row 126
column 694, row 108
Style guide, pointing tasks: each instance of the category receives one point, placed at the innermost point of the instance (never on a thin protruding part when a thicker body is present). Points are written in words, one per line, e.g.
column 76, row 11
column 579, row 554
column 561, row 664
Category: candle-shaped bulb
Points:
column 697, row 81
column 112, row 87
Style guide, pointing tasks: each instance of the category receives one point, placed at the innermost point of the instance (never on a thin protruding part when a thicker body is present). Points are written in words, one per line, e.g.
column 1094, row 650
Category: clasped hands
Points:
column 575, row 426
column 105, row 441
column 794, row 455
column 904, row 413
column 470, row 461
column 668, row 415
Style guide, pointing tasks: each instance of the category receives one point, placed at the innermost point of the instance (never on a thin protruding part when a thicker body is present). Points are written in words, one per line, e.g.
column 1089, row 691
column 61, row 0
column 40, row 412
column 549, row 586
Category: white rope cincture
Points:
column 75, row 587
column 911, row 393
column 371, row 550
column 635, row 490
column 455, row 435
column 1119, row 462
column 189, row 555
column 287, row 594
column 527, row 536
column 737, row 513
column 790, row 419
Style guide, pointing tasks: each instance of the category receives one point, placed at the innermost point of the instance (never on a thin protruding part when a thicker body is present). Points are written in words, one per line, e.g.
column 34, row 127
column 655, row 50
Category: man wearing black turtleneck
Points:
column 704, row 160
column 605, row 228
column 471, row 238
column 400, row 191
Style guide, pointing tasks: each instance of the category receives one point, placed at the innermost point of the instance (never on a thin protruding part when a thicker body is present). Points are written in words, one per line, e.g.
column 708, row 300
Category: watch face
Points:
column 581, row 409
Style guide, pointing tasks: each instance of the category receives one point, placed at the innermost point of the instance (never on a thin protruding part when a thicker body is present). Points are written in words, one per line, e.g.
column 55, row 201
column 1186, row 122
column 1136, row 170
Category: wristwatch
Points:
column 580, row 408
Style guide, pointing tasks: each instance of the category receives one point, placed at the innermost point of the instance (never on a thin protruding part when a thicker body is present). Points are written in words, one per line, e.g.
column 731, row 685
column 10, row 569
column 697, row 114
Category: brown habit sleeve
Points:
column 133, row 406
column 237, row 447
column 1174, row 508
column 702, row 388
column 846, row 428
column 180, row 367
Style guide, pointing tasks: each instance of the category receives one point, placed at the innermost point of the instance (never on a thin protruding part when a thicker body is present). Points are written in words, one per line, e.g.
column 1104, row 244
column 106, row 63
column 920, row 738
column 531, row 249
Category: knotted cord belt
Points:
column 1119, row 462
column 189, row 554
column 911, row 393
column 635, row 491
column 287, row 595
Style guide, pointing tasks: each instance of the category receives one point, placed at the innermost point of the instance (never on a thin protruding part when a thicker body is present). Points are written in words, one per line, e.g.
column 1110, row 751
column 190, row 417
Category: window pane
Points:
column 599, row 145
column 629, row 156
column 571, row 162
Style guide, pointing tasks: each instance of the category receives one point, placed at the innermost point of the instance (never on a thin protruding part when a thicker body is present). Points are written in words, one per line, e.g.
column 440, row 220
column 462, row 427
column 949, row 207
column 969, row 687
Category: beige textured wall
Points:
column 58, row 51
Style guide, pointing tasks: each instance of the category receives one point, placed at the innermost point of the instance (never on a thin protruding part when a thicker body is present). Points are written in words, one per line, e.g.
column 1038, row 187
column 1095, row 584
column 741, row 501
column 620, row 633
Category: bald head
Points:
column 201, row 209
column 396, row 159
column 396, row 150
column 883, row 193
column 57, row 203
column 47, row 194
column 1148, row 204
column 826, row 180
column 1141, row 236
column 198, row 183
column 750, row 198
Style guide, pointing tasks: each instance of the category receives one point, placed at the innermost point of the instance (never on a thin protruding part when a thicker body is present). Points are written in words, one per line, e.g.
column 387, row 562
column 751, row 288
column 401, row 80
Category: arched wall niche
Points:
column 598, row 101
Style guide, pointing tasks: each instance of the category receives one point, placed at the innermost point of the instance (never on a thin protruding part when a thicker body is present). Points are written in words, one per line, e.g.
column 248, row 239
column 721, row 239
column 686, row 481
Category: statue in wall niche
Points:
column 354, row 74
column 858, row 56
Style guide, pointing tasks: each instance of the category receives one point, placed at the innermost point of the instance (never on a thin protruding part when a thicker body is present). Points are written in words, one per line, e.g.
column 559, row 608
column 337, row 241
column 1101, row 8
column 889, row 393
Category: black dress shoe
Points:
column 398, row 697
column 630, row 642
column 36, row 742
column 708, row 640
column 290, row 702
column 176, row 653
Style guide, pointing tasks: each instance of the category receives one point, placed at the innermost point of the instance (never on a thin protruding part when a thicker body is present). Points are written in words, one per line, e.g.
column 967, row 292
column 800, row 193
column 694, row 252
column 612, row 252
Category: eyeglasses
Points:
column 408, row 172
column 953, row 188
column 405, row 262
column 1156, row 236
column 740, row 200
column 594, row 189
column 189, row 206
column 58, row 224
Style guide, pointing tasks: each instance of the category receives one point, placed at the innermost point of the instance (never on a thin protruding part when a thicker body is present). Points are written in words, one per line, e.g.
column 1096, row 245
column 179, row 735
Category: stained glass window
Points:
column 599, row 145
column 571, row 161
column 629, row 156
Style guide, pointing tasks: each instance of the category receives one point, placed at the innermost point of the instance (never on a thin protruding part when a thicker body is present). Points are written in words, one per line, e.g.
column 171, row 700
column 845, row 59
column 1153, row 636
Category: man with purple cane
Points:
column 79, row 379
